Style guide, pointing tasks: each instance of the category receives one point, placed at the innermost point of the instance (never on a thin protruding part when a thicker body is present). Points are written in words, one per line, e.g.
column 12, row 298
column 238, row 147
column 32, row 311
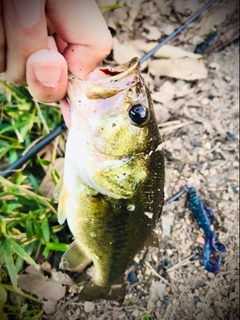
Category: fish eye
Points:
column 138, row 114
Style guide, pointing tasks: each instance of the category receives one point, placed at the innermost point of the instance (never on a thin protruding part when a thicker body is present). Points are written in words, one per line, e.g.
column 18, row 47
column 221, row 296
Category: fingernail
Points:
column 48, row 74
column 27, row 11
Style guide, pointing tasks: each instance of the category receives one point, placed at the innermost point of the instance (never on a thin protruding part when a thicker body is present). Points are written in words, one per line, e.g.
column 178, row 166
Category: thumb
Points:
column 47, row 72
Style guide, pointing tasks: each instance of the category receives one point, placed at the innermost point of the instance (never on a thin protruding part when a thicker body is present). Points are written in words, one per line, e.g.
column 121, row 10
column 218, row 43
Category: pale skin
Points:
column 40, row 40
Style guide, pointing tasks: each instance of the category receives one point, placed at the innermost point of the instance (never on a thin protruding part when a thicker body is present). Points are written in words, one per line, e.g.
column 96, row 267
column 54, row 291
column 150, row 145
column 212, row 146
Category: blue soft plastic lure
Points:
column 204, row 217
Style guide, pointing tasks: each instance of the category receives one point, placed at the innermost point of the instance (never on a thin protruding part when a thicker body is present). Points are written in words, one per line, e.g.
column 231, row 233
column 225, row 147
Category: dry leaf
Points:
column 33, row 269
column 123, row 52
column 166, row 51
column 186, row 69
column 61, row 277
column 49, row 306
column 162, row 97
column 36, row 283
column 47, row 186
column 41, row 286
column 45, row 266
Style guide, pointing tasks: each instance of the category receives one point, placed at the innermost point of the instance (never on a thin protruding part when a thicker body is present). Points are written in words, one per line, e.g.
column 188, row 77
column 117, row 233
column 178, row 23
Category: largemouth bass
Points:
column 112, row 189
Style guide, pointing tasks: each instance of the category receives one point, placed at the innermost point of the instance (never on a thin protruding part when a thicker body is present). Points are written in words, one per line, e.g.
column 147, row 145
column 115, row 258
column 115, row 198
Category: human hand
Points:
column 40, row 40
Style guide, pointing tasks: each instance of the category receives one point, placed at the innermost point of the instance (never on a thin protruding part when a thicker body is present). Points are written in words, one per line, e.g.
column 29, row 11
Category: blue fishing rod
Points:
column 62, row 126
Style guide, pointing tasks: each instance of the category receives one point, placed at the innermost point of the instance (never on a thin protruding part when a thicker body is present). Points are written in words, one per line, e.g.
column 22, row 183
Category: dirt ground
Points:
column 198, row 120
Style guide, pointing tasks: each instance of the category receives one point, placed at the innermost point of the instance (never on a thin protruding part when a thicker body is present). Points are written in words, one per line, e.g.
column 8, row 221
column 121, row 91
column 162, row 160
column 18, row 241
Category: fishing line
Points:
column 177, row 31
column 34, row 150
column 62, row 127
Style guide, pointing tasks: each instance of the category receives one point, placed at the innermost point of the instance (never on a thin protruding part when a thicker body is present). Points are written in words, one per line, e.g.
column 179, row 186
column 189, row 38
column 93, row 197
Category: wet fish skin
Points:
column 112, row 192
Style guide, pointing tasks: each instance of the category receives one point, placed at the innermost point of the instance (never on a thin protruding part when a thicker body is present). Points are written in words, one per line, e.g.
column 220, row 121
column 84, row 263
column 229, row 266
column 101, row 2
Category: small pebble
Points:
column 233, row 295
column 197, row 264
column 88, row 306
column 195, row 143
column 228, row 78
column 211, row 275
column 197, row 40
column 231, row 136
column 168, row 29
column 131, row 207
column 196, row 293
column 205, row 101
column 210, row 97
column 135, row 313
column 136, row 259
column 132, row 277
column 182, row 236
column 181, row 214
column 214, row 65
column 169, row 252
column 200, row 240
column 207, row 145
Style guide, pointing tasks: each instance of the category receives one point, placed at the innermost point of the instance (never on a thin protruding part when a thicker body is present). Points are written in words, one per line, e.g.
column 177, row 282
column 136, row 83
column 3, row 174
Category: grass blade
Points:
column 3, row 296
column 9, row 263
column 20, row 251
column 45, row 229
column 54, row 246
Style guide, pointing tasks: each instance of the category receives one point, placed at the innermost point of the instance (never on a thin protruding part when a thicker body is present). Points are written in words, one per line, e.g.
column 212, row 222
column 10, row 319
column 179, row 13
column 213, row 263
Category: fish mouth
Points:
column 105, row 82
column 122, row 71
column 115, row 73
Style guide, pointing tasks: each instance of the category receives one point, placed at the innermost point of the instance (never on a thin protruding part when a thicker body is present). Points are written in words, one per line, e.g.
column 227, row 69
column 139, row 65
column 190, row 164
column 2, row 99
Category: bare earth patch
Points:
column 199, row 123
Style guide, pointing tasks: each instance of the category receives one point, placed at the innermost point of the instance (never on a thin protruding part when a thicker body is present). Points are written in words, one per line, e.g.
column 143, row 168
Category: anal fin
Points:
column 152, row 241
column 93, row 291
column 74, row 259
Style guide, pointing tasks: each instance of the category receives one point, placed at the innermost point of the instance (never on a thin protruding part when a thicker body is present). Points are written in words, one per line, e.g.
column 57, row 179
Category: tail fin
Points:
column 93, row 291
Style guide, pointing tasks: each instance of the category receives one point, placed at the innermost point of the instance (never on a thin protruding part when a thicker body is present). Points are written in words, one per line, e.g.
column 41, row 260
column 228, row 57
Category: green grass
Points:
column 28, row 220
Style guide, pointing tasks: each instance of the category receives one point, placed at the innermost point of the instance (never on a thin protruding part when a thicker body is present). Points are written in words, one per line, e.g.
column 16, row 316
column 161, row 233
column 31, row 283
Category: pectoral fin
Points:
column 62, row 205
column 75, row 259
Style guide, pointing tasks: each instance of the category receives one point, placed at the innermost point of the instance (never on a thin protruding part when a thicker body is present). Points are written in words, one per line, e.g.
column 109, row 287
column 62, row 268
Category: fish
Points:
column 112, row 191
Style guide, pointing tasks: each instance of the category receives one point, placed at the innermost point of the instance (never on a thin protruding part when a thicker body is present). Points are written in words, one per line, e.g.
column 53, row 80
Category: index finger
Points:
column 81, row 25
